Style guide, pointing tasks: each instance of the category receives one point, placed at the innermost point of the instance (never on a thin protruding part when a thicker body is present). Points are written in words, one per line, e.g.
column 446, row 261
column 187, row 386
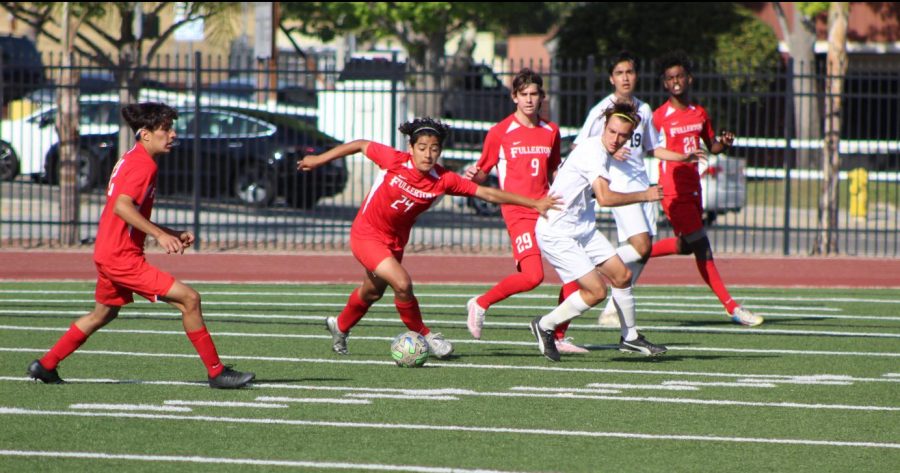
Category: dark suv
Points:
column 21, row 66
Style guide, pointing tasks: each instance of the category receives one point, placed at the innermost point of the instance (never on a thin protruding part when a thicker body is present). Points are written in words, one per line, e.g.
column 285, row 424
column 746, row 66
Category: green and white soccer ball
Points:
column 409, row 350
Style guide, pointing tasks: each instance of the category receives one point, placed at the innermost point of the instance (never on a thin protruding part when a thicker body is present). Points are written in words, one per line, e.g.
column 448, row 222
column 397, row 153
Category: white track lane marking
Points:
column 242, row 461
column 451, row 428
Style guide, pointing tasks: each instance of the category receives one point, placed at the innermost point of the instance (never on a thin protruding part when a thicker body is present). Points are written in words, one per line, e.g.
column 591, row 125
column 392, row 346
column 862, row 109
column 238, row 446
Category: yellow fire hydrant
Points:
column 859, row 195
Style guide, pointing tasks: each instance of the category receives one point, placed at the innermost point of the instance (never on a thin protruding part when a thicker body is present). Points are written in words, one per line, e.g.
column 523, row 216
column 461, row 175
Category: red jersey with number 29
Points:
column 681, row 131
column 400, row 194
column 525, row 157
column 135, row 176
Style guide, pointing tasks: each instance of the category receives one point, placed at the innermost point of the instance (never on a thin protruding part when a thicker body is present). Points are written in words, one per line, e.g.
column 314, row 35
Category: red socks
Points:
column 355, row 309
column 530, row 275
column 564, row 292
column 207, row 350
column 68, row 343
column 411, row 315
column 664, row 247
column 710, row 274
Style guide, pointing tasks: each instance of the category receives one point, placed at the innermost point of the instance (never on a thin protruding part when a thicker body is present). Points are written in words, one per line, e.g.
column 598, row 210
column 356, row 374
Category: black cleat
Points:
column 231, row 379
column 37, row 372
column 545, row 339
column 641, row 345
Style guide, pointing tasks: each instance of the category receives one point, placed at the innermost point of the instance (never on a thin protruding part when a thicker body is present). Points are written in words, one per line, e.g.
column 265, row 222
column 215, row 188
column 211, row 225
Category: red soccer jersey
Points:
column 525, row 157
column 135, row 176
column 400, row 194
column 681, row 131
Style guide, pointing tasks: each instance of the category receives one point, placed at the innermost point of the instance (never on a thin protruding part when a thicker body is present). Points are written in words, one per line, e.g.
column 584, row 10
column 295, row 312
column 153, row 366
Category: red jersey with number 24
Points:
column 525, row 157
column 681, row 131
column 400, row 194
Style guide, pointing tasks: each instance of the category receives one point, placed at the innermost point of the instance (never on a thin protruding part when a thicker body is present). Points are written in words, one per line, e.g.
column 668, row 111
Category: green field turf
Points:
column 816, row 388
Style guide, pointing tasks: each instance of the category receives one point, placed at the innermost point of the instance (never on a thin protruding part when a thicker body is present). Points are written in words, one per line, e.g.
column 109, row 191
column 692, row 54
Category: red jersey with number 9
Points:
column 526, row 158
column 681, row 131
column 135, row 176
column 400, row 194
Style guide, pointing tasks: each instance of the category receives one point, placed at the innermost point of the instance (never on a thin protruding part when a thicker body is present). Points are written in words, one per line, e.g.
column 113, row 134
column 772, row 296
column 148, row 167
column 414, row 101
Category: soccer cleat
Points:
column 438, row 347
column 476, row 318
column 37, row 372
column 745, row 317
column 609, row 317
column 338, row 338
column 546, row 340
column 641, row 345
column 231, row 379
column 565, row 345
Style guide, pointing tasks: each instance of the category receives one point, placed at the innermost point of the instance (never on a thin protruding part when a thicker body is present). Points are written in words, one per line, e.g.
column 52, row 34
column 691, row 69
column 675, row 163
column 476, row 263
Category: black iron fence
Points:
column 244, row 124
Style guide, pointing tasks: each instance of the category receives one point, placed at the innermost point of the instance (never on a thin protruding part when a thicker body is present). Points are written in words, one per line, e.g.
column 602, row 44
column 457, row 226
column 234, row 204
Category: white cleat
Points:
column 566, row 346
column 475, row 320
column 438, row 347
column 745, row 317
column 609, row 317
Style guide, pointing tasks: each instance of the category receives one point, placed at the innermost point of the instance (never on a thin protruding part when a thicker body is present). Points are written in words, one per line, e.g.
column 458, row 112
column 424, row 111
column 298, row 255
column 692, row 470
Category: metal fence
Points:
column 244, row 124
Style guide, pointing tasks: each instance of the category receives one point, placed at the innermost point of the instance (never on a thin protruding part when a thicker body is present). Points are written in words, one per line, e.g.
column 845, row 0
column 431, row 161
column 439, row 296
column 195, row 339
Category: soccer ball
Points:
column 409, row 350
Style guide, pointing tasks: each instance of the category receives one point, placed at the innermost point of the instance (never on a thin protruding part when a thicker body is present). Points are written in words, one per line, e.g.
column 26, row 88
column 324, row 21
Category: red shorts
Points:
column 117, row 284
column 685, row 213
column 372, row 252
column 524, row 242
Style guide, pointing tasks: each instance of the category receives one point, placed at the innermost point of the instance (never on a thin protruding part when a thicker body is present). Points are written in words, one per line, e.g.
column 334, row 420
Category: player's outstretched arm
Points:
column 497, row 196
column 669, row 155
column 610, row 198
column 125, row 209
column 312, row 161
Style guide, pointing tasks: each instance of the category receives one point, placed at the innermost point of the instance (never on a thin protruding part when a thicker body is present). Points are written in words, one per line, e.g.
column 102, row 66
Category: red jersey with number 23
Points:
column 135, row 176
column 525, row 157
column 400, row 194
column 681, row 131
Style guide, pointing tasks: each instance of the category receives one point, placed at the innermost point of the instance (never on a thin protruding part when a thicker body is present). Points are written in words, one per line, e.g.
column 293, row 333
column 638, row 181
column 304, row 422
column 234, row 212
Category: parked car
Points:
column 21, row 67
column 241, row 156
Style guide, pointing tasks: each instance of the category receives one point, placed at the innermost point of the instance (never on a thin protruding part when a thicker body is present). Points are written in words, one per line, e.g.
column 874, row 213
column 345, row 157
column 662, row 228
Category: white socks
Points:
column 570, row 308
column 624, row 302
column 632, row 260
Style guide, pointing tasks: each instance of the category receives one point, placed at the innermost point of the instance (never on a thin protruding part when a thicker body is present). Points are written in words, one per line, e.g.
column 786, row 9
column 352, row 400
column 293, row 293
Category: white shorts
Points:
column 634, row 219
column 574, row 257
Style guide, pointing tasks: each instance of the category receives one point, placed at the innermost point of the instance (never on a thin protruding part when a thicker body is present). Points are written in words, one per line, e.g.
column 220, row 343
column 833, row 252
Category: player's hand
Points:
column 470, row 172
column 548, row 202
column 653, row 194
column 309, row 162
column 726, row 138
column 170, row 243
column 622, row 154
column 187, row 239
column 698, row 156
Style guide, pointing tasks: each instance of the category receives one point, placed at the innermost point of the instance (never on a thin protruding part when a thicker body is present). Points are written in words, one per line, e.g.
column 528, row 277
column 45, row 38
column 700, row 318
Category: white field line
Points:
column 463, row 341
column 597, row 388
column 241, row 461
column 761, row 384
column 576, row 393
column 129, row 407
column 260, row 405
column 714, row 308
column 401, row 397
column 641, row 386
column 549, row 297
column 311, row 400
column 437, row 364
column 892, row 375
column 450, row 428
column 822, row 382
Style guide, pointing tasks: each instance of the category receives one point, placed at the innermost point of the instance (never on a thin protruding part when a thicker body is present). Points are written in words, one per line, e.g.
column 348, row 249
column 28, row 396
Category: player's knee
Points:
column 191, row 300
column 403, row 289
column 621, row 279
column 533, row 280
column 595, row 295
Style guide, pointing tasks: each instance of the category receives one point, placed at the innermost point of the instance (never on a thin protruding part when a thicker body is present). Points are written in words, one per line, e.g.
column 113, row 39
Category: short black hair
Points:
column 425, row 126
column 675, row 58
column 622, row 56
column 149, row 116
column 626, row 110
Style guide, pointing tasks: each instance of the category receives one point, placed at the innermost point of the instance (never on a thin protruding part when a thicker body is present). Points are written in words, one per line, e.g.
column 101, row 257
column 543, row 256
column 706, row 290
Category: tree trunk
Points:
column 838, row 18
column 67, row 129
column 801, row 43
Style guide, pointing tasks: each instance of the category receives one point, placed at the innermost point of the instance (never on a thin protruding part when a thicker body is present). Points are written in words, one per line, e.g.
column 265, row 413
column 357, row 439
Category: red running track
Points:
column 430, row 268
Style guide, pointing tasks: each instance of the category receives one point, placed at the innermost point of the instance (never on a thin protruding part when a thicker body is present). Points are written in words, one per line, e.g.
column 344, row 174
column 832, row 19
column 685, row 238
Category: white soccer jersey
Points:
column 573, row 182
column 630, row 175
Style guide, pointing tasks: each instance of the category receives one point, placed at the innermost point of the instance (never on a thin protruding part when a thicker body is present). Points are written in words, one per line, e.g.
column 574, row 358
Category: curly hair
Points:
column 624, row 110
column 149, row 116
column 424, row 126
column 672, row 59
